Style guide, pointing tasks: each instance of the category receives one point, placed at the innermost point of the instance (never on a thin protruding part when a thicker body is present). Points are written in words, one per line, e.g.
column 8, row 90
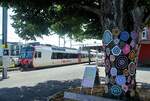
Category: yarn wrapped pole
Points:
column 121, row 48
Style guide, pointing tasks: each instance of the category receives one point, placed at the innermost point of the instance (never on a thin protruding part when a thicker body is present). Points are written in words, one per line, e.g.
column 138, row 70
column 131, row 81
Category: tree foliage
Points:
column 79, row 19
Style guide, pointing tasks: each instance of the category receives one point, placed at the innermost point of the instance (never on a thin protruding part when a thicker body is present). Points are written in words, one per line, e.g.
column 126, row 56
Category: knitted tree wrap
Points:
column 120, row 61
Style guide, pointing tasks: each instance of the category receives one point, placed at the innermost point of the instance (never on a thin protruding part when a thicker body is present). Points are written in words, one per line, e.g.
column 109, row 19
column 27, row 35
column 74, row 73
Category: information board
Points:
column 89, row 77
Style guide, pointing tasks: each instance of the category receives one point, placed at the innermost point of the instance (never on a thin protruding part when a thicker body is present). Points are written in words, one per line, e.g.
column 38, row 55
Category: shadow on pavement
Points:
column 40, row 92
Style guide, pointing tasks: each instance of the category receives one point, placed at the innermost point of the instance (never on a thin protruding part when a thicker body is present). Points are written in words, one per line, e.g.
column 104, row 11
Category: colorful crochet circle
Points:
column 124, row 35
column 116, row 90
column 134, row 35
column 121, row 62
column 125, row 72
column 115, row 32
column 112, row 58
column 125, row 88
column 126, row 49
column 132, row 68
column 132, row 44
column 120, row 79
column 107, row 37
column 132, row 55
column 116, row 51
column 113, row 71
column 116, row 41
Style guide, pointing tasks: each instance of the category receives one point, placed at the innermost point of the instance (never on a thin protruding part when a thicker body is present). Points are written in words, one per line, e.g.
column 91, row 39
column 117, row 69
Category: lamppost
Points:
column 4, row 42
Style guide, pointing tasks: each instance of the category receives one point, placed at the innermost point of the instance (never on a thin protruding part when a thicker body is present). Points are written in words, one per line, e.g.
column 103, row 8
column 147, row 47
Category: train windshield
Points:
column 27, row 52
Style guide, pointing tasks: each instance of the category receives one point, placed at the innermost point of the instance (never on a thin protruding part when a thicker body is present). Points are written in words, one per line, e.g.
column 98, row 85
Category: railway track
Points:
column 10, row 69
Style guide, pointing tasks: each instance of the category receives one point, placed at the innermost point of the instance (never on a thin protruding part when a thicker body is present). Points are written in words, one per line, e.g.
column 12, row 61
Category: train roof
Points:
column 55, row 48
column 59, row 49
column 64, row 50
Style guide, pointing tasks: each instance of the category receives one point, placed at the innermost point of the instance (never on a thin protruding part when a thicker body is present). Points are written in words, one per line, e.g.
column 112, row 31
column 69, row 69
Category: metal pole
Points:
column 89, row 56
column 70, row 43
column 64, row 41
column 4, row 41
column 59, row 40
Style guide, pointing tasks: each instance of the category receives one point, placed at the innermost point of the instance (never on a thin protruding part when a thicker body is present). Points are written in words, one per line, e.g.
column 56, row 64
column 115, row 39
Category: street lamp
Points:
column 4, row 42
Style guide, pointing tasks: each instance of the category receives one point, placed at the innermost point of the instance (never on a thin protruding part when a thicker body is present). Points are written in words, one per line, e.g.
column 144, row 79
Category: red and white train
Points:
column 44, row 56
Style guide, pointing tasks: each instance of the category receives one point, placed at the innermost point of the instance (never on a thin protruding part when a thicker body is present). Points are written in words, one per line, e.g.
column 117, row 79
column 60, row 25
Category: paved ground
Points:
column 37, row 85
column 32, row 78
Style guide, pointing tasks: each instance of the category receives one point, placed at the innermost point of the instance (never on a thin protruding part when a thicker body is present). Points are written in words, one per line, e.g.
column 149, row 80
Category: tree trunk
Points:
column 113, row 14
column 138, row 14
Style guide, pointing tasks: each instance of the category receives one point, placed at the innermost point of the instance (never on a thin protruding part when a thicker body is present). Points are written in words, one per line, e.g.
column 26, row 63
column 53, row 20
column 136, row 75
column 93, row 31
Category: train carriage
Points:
column 84, row 56
column 43, row 56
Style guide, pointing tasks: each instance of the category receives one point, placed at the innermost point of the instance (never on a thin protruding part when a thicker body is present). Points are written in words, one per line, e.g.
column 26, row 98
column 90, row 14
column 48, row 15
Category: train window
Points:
column 75, row 56
column 39, row 55
column 69, row 56
column 54, row 55
column 35, row 54
column 65, row 55
column 59, row 55
column 72, row 56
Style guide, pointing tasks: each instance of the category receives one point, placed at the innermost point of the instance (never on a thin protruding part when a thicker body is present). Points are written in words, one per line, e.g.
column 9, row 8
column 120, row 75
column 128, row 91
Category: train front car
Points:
column 26, row 58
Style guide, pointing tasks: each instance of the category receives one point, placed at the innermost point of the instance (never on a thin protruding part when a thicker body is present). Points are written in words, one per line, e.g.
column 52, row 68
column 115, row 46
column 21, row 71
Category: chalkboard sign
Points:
column 89, row 77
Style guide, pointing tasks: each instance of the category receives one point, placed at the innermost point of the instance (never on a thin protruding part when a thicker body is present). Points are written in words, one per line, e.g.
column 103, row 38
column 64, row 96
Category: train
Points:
column 45, row 56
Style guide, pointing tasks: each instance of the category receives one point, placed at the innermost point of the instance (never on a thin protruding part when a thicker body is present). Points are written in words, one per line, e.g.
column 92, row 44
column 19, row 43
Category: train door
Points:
column 46, row 57
column 37, row 61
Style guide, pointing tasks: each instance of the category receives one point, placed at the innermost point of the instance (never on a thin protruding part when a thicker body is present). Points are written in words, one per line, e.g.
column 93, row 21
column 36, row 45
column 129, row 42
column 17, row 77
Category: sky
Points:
column 53, row 39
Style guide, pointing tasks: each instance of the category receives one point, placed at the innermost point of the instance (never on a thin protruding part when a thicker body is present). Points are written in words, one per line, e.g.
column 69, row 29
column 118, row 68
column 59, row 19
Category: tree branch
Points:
column 90, row 9
column 147, row 19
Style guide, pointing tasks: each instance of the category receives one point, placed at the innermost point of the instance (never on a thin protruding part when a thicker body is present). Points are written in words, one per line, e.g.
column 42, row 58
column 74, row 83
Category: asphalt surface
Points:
column 38, row 85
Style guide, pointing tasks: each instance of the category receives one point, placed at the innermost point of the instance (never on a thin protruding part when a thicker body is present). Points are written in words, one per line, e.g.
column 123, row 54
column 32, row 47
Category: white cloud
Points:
column 12, row 37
